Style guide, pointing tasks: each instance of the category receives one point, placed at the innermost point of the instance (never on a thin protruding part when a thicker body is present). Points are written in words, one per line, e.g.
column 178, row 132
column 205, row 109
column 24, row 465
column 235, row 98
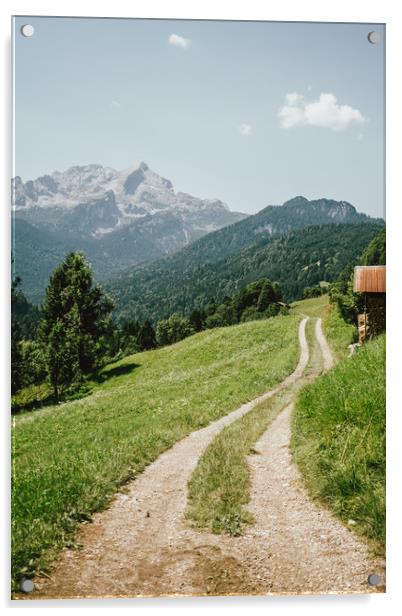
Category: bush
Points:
column 173, row 329
column 225, row 315
column 251, row 314
column 33, row 362
column 274, row 309
column 315, row 291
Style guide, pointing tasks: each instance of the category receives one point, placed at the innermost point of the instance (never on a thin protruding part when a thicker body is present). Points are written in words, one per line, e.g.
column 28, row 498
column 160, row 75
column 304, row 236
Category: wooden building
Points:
column 370, row 281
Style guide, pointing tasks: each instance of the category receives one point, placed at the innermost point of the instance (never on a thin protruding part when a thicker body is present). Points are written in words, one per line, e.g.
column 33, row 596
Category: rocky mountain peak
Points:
column 298, row 200
column 97, row 200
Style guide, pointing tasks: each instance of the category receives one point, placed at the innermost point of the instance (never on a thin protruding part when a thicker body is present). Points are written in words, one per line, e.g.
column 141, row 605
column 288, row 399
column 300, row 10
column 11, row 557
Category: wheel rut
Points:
column 142, row 545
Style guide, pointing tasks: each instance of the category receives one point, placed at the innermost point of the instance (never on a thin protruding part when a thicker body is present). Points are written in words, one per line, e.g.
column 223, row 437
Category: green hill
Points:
column 41, row 239
column 38, row 250
column 69, row 460
column 272, row 221
column 187, row 280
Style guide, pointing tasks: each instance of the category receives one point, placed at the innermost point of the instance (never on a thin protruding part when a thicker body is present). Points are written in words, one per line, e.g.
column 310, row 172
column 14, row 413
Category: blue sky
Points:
column 252, row 113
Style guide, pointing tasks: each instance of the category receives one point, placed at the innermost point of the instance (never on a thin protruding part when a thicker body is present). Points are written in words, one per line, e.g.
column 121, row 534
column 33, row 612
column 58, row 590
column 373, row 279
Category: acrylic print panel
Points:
column 197, row 367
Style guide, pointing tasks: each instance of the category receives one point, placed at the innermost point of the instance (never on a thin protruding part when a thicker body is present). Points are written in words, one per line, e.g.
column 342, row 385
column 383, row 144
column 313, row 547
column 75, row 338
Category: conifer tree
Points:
column 266, row 297
column 146, row 336
column 16, row 337
column 76, row 317
column 197, row 319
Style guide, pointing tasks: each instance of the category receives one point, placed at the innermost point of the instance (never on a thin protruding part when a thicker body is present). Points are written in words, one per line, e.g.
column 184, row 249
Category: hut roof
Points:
column 369, row 279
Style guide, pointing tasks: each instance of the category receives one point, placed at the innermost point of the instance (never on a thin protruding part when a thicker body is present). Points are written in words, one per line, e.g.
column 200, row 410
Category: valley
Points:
column 191, row 278
column 198, row 311
column 117, row 218
column 193, row 357
column 131, row 224
column 130, row 549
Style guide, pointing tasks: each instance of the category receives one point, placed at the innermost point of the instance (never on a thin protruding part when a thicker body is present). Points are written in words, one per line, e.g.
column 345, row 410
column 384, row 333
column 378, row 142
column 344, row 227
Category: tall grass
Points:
column 339, row 333
column 339, row 439
column 69, row 460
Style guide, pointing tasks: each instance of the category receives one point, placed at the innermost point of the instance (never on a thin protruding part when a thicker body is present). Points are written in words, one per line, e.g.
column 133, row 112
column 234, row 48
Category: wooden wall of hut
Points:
column 376, row 309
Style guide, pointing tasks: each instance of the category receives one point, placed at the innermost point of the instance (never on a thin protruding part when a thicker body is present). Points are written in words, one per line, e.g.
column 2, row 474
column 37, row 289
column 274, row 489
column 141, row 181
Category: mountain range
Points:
column 144, row 238
column 272, row 221
column 118, row 218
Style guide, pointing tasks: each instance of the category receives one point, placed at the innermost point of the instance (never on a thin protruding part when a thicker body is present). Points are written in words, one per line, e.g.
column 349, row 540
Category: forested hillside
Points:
column 117, row 218
column 296, row 260
column 271, row 221
column 40, row 243
column 38, row 251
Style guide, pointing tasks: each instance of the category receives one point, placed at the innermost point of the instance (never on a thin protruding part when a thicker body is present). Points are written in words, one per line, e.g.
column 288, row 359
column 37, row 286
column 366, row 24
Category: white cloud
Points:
column 293, row 98
column 324, row 112
column 116, row 104
column 246, row 130
column 179, row 41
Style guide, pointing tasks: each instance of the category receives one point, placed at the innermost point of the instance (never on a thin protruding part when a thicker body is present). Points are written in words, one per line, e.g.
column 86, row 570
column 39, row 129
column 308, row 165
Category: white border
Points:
column 387, row 11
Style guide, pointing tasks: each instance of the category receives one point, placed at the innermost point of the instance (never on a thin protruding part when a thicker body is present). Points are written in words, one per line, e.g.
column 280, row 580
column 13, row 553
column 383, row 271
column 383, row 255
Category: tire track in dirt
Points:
column 142, row 545
column 309, row 550
column 327, row 357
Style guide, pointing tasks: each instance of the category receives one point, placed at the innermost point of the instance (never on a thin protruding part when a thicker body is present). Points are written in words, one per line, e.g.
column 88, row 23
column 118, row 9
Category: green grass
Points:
column 69, row 460
column 31, row 397
column 314, row 307
column 339, row 333
column 338, row 439
column 219, row 488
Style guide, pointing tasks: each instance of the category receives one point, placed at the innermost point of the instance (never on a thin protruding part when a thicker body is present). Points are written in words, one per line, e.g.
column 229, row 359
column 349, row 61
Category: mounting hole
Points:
column 373, row 37
column 27, row 586
column 27, row 30
column 374, row 579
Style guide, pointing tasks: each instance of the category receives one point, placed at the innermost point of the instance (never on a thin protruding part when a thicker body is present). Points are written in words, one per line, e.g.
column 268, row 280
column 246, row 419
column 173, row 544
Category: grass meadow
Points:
column 70, row 459
column 338, row 440
column 339, row 333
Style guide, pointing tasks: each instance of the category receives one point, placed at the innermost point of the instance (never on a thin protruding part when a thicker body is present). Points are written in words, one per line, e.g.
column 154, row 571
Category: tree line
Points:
column 188, row 279
column 74, row 333
column 341, row 293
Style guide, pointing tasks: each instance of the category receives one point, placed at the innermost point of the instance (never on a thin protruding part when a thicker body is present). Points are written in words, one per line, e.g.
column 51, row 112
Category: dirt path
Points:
column 142, row 545
column 327, row 358
column 307, row 549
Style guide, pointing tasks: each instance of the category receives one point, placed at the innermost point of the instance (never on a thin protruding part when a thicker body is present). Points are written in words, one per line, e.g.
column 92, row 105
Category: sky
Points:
column 252, row 113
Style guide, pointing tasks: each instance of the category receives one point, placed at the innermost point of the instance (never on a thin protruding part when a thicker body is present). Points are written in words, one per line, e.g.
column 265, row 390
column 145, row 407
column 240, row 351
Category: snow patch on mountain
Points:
column 113, row 199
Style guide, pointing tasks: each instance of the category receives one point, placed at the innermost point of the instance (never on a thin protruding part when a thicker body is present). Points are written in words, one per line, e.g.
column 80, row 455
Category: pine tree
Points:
column 75, row 321
column 16, row 337
column 63, row 354
column 266, row 297
column 146, row 336
column 197, row 319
